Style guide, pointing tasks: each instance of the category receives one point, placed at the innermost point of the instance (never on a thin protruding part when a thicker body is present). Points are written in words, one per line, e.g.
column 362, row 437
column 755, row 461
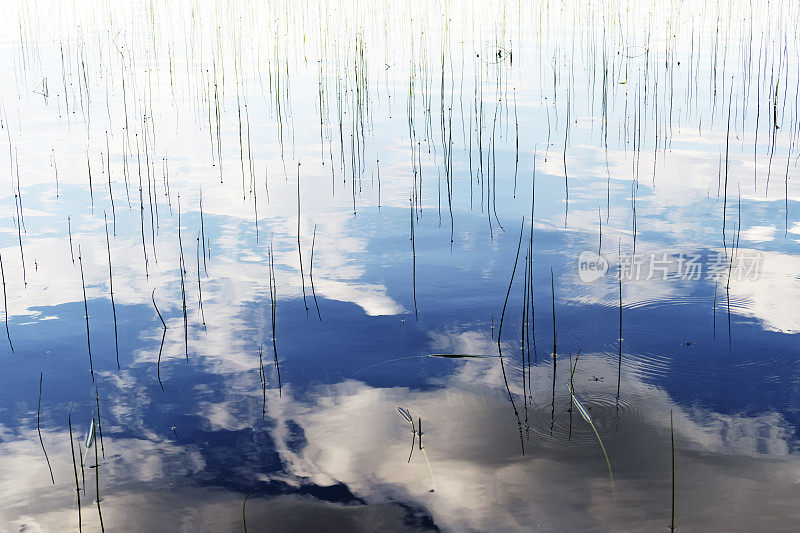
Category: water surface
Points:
column 318, row 198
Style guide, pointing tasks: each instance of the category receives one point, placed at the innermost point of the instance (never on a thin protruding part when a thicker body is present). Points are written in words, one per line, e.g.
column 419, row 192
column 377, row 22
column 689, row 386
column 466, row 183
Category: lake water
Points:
column 353, row 266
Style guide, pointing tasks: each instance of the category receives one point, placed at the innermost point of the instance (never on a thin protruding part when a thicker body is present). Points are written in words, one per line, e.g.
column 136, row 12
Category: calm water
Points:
column 321, row 199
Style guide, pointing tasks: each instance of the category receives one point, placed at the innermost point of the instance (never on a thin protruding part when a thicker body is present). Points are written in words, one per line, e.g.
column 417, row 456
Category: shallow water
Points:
column 317, row 198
